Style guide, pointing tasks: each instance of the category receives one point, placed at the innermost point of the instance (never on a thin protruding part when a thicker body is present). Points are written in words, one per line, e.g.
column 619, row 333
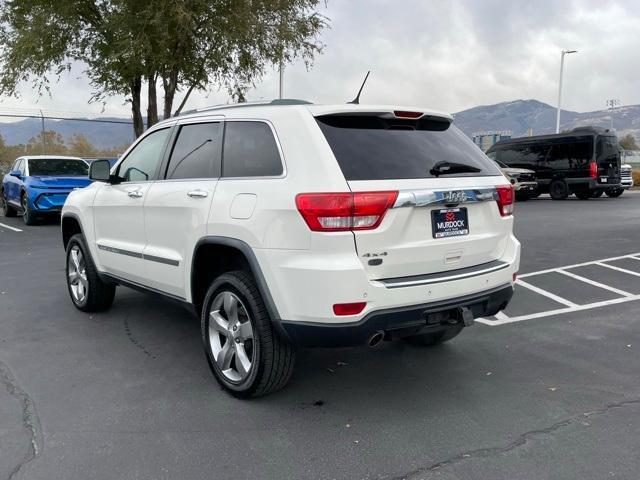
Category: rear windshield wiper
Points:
column 448, row 168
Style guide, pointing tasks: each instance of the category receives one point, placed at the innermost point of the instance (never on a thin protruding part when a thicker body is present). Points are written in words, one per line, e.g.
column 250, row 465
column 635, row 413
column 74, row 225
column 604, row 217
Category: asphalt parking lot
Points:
column 550, row 389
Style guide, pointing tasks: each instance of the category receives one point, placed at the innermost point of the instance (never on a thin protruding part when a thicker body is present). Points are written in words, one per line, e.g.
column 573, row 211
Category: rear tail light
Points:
column 338, row 212
column 505, row 199
column 593, row 170
column 341, row 309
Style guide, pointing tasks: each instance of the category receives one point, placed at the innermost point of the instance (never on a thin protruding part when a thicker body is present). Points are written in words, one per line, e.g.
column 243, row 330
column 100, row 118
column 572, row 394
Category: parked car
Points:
column 523, row 180
column 583, row 161
column 298, row 224
column 39, row 185
column 626, row 175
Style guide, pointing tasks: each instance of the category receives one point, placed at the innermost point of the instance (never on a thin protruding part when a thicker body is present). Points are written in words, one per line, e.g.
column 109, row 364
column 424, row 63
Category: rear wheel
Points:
column 615, row 192
column 534, row 194
column 28, row 215
column 7, row 209
column 428, row 339
column 558, row 190
column 522, row 196
column 245, row 354
column 584, row 195
column 596, row 193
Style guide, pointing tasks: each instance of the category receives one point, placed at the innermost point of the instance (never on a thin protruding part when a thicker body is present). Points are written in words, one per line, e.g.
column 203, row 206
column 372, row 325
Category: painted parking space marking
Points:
column 596, row 284
column 622, row 296
column 3, row 225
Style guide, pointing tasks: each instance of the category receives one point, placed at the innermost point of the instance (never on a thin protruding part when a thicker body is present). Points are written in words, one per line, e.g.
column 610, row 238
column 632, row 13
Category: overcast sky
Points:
column 446, row 55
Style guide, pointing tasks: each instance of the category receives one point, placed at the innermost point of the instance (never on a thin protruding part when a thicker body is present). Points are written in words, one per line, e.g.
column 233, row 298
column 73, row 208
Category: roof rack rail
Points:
column 279, row 101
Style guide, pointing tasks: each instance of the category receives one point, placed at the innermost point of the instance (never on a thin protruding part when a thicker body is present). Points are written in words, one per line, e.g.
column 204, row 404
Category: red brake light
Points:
column 338, row 212
column 341, row 309
column 593, row 170
column 505, row 199
column 405, row 114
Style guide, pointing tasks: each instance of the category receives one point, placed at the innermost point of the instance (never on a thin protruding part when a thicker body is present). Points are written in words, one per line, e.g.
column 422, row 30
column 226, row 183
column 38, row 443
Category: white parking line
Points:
column 550, row 295
column 623, row 270
column 10, row 228
column 501, row 318
column 596, row 284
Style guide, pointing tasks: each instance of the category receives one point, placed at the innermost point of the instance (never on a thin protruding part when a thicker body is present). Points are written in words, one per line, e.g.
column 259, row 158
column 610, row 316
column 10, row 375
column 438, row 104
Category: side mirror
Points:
column 16, row 173
column 100, row 171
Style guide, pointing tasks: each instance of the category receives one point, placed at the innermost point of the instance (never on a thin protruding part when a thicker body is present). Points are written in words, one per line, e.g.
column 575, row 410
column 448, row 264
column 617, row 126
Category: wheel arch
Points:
column 214, row 255
column 69, row 225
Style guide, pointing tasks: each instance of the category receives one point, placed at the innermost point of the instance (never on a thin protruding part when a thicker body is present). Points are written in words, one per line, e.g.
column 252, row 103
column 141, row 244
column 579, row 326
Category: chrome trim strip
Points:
column 129, row 253
column 444, row 196
column 445, row 276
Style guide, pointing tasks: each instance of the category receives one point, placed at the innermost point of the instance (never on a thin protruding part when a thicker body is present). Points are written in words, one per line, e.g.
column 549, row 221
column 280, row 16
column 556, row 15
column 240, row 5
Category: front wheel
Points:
column 28, row 215
column 615, row 192
column 436, row 338
column 87, row 290
column 245, row 354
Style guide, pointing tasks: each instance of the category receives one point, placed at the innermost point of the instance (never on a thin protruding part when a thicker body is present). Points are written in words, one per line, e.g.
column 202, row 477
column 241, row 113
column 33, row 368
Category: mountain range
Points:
column 517, row 116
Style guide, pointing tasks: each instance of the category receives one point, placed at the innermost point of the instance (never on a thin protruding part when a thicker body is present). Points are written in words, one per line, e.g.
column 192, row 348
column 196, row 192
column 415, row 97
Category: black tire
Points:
column 436, row 338
column 100, row 294
column 534, row 194
column 7, row 209
column 614, row 192
column 558, row 190
column 28, row 215
column 522, row 197
column 584, row 195
column 272, row 357
column 597, row 193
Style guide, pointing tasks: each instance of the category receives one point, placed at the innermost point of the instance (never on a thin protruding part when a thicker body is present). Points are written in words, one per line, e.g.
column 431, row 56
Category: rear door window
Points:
column 250, row 150
column 377, row 148
column 196, row 152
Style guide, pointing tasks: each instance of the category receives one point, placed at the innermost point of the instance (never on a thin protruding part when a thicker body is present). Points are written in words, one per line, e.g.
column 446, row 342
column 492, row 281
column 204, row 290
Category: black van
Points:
column 584, row 161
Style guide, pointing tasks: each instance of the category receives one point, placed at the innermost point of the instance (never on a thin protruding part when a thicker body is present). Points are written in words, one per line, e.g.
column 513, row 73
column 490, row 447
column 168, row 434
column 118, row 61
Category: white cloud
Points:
column 447, row 55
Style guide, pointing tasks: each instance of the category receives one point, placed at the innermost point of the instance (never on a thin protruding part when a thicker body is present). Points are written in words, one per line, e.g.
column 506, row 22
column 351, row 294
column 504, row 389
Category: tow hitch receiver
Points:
column 465, row 316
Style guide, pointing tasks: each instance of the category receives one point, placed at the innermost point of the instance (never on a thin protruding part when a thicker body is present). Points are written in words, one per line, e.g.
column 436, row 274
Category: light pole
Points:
column 564, row 52
column 612, row 103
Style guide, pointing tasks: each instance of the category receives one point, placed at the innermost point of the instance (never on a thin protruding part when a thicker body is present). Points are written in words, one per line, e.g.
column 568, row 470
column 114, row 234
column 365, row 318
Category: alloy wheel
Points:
column 77, row 272
column 231, row 337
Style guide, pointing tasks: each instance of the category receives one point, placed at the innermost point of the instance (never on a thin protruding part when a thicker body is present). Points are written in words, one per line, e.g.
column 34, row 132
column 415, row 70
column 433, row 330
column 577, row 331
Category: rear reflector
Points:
column 593, row 170
column 505, row 199
column 404, row 114
column 338, row 212
column 342, row 309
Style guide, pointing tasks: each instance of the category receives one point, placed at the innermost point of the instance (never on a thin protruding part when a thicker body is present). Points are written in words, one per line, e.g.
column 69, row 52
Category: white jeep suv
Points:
column 288, row 223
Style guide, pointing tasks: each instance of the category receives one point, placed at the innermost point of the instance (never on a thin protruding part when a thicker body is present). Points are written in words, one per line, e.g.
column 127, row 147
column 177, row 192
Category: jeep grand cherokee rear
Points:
column 431, row 224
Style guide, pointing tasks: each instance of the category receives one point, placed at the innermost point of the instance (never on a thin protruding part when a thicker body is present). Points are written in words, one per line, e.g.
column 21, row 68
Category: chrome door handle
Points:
column 197, row 194
column 135, row 194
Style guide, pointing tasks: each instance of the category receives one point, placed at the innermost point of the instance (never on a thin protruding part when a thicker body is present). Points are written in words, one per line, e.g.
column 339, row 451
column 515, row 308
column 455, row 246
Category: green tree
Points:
column 181, row 44
column 628, row 142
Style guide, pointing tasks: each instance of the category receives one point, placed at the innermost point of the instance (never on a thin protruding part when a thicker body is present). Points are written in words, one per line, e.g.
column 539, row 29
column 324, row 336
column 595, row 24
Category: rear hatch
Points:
column 608, row 159
column 441, row 177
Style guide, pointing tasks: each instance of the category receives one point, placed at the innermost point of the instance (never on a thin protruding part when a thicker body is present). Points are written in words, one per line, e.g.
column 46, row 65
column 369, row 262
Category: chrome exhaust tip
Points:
column 376, row 339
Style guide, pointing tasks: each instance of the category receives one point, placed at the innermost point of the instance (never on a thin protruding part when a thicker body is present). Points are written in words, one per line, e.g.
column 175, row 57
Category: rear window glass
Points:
column 376, row 148
column 196, row 152
column 250, row 150
column 607, row 149
column 58, row 166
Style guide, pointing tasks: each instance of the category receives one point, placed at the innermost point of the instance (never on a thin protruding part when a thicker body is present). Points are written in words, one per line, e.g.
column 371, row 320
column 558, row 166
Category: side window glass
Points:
column 196, row 153
column 21, row 167
column 250, row 150
column 142, row 162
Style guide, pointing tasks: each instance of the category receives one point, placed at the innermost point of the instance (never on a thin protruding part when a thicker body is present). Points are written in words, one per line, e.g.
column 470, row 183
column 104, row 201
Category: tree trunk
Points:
column 170, row 85
column 152, row 102
column 138, row 125
column 184, row 101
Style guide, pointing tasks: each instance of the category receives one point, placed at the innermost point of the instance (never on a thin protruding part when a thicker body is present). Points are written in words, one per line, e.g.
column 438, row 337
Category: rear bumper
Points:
column 410, row 320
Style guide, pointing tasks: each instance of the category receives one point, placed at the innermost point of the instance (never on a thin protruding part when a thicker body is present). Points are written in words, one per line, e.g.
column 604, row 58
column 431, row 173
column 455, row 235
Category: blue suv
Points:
column 40, row 184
